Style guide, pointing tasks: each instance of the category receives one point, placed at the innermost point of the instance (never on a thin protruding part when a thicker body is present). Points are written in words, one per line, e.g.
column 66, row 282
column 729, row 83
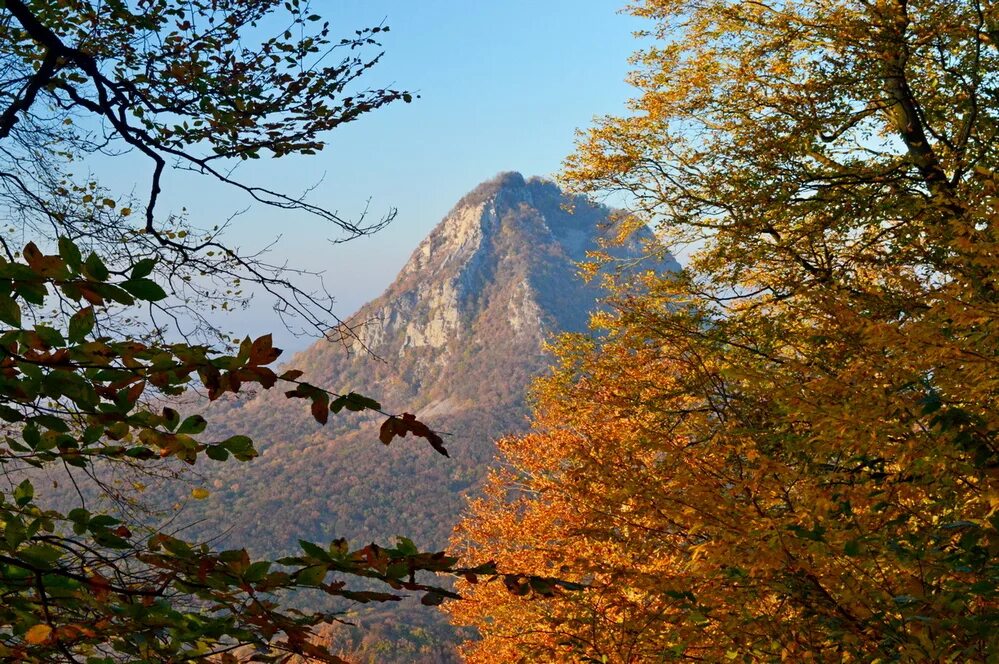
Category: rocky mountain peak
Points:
column 501, row 245
column 533, row 207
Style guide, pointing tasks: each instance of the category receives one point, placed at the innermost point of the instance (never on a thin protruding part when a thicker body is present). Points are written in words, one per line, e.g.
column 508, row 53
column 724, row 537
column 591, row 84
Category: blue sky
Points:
column 504, row 84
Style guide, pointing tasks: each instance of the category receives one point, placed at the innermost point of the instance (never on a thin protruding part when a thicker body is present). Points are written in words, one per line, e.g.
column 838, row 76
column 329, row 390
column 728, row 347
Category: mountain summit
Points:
column 456, row 338
column 463, row 323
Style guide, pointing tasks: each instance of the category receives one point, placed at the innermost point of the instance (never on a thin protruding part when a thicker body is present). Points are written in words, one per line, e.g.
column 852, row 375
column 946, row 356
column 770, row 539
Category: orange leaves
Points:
column 38, row 634
column 228, row 374
column 583, row 498
column 43, row 634
column 99, row 586
column 47, row 267
column 795, row 428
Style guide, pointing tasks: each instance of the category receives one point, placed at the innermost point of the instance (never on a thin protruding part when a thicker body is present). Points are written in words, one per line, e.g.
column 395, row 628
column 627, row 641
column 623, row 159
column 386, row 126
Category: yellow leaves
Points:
column 200, row 493
column 38, row 634
column 819, row 384
column 42, row 634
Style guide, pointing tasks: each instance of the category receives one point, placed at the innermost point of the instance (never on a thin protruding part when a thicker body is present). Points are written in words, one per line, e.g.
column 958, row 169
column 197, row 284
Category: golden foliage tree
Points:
column 788, row 450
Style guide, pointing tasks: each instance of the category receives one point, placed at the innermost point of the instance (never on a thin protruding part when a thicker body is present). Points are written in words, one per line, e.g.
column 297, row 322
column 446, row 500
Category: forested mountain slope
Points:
column 456, row 339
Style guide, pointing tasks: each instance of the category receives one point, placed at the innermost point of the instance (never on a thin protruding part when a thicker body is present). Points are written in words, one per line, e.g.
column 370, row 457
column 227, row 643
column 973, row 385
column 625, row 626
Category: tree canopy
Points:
column 787, row 450
column 106, row 344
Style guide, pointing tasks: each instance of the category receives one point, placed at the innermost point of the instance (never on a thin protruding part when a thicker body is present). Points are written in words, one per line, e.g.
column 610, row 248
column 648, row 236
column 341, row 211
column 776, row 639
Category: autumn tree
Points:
column 105, row 303
column 787, row 450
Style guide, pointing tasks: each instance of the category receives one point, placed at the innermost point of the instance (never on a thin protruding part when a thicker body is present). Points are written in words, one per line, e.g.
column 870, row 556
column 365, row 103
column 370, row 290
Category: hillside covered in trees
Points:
column 456, row 338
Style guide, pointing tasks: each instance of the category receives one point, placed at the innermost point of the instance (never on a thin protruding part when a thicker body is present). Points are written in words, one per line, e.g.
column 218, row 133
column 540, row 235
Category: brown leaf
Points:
column 44, row 266
column 262, row 351
column 421, row 430
column 135, row 391
column 390, row 429
column 90, row 295
column 321, row 407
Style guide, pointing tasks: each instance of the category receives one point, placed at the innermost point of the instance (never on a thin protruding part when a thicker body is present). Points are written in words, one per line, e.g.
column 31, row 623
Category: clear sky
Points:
column 504, row 84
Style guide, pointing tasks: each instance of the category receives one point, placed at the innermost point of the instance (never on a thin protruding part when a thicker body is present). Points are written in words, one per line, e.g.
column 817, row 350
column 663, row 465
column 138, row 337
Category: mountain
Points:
column 456, row 338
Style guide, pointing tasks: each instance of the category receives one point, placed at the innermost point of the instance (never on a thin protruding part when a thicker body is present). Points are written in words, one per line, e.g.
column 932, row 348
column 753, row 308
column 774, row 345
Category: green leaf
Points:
column 312, row 576
column 14, row 535
column 40, row 555
column 177, row 547
column 80, row 325
column 354, row 402
column 50, row 336
column 217, row 453
column 171, row 418
column 52, row 423
column 104, row 521
column 256, row 572
column 358, row 402
column 8, row 414
column 95, row 269
column 23, row 493
column 32, row 291
column 78, row 515
column 110, row 540
column 143, row 268
column 852, row 548
column 432, row 599
column 241, row 447
column 70, row 253
column 10, row 313
column 31, row 435
column 194, row 424
column 314, row 551
column 112, row 292
column 406, row 546
column 144, row 289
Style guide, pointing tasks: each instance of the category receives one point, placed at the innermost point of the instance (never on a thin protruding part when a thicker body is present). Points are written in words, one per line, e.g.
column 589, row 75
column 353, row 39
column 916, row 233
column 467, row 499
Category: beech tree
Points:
column 788, row 450
column 105, row 303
